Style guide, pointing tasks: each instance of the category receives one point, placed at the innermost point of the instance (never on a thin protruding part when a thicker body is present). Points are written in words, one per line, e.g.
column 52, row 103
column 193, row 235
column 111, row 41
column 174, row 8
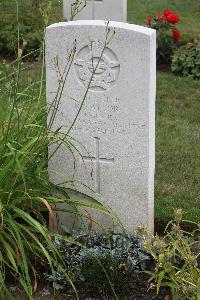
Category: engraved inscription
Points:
column 97, row 159
column 97, row 67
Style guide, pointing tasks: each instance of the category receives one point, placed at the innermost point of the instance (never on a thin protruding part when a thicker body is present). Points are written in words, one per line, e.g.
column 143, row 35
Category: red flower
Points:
column 176, row 35
column 163, row 18
column 159, row 17
column 167, row 12
column 172, row 18
column 148, row 20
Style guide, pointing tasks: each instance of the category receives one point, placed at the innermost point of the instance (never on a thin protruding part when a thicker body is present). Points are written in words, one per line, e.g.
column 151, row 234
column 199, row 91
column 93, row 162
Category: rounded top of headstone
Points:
column 111, row 24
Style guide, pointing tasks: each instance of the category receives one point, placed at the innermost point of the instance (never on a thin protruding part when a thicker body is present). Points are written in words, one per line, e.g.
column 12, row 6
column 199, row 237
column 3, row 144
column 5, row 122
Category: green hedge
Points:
column 31, row 24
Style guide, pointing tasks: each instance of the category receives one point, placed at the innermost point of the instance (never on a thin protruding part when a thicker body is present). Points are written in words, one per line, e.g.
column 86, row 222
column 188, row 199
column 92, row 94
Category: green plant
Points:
column 30, row 21
column 104, row 262
column 186, row 61
column 177, row 260
column 25, row 191
column 76, row 7
column 167, row 34
column 26, row 194
column 24, row 187
column 30, row 18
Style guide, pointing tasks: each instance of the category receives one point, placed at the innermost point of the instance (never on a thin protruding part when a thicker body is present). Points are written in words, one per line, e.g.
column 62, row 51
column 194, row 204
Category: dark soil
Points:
column 140, row 291
column 160, row 226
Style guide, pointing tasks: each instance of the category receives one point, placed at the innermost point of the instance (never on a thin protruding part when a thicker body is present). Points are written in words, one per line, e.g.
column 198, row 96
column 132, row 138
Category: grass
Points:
column 177, row 146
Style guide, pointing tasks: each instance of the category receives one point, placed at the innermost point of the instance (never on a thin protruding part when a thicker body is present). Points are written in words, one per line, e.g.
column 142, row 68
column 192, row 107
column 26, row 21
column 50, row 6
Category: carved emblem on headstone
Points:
column 97, row 66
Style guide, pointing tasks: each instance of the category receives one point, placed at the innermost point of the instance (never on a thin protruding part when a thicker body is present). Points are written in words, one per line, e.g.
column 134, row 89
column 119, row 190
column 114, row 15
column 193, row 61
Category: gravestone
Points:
column 115, row 129
column 109, row 10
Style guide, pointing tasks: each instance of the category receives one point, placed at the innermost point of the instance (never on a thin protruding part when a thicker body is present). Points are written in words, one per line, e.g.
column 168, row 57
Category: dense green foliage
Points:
column 29, row 15
column 186, row 61
column 24, row 185
column 110, row 261
column 165, row 47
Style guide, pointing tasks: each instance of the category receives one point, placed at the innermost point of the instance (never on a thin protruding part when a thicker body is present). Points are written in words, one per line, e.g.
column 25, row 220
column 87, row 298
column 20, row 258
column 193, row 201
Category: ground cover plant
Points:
column 105, row 263
column 186, row 61
column 113, row 264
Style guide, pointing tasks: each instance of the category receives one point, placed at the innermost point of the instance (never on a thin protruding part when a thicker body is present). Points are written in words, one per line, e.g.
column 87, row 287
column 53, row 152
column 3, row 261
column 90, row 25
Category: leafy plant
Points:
column 186, row 61
column 104, row 262
column 167, row 34
column 31, row 26
column 26, row 194
column 177, row 260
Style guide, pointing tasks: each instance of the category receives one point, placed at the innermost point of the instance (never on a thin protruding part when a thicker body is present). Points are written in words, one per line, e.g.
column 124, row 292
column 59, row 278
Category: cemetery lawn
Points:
column 177, row 147
column 177, row 142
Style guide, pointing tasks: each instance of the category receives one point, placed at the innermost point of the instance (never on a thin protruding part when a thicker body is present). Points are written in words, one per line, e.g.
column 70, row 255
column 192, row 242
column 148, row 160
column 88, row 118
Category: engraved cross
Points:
column 97, row 159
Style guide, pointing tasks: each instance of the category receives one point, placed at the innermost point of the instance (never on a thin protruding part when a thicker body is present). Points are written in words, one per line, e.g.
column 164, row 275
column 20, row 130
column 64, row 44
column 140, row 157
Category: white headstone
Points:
column 116, row 124
column 109, row 10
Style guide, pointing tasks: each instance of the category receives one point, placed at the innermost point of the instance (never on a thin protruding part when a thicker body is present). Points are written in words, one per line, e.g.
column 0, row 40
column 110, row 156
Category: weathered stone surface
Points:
column 109, row 10
column 116, row 124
